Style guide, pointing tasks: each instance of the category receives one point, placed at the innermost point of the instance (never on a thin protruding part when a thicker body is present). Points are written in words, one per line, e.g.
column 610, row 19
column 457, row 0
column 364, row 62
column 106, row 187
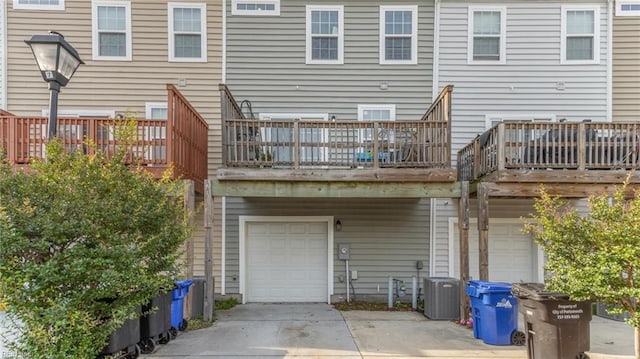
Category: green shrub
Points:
column 84, row 241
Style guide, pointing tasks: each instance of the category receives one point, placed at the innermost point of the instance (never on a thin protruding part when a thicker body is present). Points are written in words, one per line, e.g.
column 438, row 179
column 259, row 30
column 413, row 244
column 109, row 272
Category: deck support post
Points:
column 208, row 253
column 483, row 230
column 189, row 206
column 463, row 232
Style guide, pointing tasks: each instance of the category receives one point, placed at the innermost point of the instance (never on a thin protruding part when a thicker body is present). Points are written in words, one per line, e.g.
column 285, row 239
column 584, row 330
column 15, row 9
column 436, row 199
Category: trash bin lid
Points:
column 536, row 291
column 184, row 283
column 489, row 287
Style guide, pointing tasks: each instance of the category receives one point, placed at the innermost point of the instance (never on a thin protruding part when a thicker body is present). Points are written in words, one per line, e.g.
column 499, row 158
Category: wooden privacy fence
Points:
column 180, row 140
column 551, row 145
column 300, row 143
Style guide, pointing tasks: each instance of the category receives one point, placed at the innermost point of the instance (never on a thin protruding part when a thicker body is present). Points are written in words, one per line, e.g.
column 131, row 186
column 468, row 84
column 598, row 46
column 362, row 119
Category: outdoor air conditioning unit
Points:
column 441, row 298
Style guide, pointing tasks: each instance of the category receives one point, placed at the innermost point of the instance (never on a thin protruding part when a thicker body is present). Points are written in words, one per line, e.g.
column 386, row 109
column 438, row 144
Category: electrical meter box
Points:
column 343, row 252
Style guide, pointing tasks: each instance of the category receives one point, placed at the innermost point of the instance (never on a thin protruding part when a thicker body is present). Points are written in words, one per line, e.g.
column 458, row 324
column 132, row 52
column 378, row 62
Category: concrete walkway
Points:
column 319, row 331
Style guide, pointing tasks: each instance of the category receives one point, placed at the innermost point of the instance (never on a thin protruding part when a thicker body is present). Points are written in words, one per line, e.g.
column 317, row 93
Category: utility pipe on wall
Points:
column 347, row 276
column 390, row 298
column 414, row 292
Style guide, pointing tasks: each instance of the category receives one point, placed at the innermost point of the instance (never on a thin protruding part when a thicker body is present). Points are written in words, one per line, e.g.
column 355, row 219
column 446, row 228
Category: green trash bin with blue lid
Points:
column 495, row 313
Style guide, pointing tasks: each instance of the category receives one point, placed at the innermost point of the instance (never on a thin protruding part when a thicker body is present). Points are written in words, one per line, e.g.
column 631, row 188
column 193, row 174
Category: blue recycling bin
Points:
column 495, row 313
column 177, row 304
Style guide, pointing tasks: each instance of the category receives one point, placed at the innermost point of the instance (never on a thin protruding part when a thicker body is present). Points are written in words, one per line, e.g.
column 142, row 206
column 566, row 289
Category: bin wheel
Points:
column 582, row 356
column 135, row 354
column 173, row 333
column 165, row 338
column 183, row 325
column 518, row 338
column 147, row 345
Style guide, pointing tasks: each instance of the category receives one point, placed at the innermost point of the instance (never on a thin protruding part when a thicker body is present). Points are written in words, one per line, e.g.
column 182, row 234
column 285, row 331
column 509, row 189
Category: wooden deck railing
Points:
column 330, row 144
column 181, row 140
column 551, row 145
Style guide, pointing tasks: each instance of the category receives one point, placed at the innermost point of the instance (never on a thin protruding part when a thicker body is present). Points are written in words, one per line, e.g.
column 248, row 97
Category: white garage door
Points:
column 512, row 254
column 286, row 262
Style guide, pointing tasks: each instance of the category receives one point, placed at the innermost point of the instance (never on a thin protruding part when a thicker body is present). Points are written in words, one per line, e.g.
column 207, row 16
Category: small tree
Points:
column 84, row 241
column 593, row 257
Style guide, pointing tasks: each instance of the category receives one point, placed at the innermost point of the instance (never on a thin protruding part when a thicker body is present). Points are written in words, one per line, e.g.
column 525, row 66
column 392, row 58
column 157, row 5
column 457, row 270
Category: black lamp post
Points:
column 58, row 61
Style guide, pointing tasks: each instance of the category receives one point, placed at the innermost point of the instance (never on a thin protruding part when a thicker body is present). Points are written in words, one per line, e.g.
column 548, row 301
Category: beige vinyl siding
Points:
column 386, row 237
column 3, row 55
column 528, row 82
column 121, row 86
column 626, row 68
column 266, row 63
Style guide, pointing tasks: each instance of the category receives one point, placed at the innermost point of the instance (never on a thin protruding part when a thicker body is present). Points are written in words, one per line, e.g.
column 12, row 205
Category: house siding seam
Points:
column 266, row 63
column 386, row 237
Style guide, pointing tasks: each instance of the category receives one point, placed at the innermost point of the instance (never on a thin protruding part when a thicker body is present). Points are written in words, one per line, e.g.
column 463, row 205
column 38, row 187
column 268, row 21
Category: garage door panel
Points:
column 511, row 253
column 292, row 260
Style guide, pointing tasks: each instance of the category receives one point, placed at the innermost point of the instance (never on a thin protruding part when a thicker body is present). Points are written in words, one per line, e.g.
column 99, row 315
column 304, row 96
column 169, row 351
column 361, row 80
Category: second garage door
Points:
column 512, row 254
column 286, row 262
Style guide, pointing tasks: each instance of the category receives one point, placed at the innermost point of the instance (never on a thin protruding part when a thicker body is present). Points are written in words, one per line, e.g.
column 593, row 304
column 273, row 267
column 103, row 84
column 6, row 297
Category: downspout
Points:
column 436, row 50
column 223, row 255
column 223, row 77
column 432, row 237
column 610, row 60
column 3, row 65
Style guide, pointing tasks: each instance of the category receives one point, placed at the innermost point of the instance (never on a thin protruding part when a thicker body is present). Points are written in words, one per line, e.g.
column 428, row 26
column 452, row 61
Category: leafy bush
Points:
column 84, row 241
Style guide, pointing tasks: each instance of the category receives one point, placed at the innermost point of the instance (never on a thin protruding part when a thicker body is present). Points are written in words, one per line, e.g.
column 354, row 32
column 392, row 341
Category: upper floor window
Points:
column 580, row 39
column 111, row 30
column 325, row 35
column 398, row 34
column 38, row 4
column 187, row 32
column 628, row 8
column 487, row 35
column 255, row 7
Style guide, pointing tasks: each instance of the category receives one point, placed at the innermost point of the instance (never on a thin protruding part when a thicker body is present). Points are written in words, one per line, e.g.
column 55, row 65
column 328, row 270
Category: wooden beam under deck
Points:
column 430, row 175
column 326, row 189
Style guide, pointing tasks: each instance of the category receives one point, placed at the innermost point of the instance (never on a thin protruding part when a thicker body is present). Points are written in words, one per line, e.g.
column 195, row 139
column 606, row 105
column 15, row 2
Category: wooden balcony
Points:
column 422, row 144
column 588, row 152
column 178, row 143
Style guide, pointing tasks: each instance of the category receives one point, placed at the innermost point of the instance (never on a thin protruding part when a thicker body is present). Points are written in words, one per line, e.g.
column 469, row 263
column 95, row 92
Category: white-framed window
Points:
column 255, row 7
column 487, row 35
column 398, row 35
column 377, row 113
column 38, row 4
column 580, row 35
column 517, row 154
column 155, row 135
column 111, row 30
column 187, row 32
column 155, row 110
column 627, row 7
column 309, row 135
column 325, row 34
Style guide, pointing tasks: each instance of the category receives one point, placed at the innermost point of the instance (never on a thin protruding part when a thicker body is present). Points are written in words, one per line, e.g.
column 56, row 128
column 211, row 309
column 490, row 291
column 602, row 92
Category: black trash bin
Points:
column 155, row 327
column 555, row 326
column 123, row 342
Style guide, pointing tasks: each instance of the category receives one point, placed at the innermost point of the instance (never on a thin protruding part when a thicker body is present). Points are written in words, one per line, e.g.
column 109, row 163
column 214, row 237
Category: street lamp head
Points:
column 57, row 60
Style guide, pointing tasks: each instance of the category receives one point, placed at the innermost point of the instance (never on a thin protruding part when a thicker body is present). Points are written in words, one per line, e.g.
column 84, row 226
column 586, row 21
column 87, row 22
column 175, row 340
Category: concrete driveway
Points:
column 319, row 331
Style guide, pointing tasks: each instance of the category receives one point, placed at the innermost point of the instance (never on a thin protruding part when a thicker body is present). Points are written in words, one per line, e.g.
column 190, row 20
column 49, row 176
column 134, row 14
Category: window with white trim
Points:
column 38, row 4
column 580, row 39
column 516, row 154
column 155, row 135
column 310, row 138
column 325, row 34
column 111, row 30
column 628, row 8
column 386, row 137
column 398, row 34
column 187, row 32
column 487, row 35
column 255, row 7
